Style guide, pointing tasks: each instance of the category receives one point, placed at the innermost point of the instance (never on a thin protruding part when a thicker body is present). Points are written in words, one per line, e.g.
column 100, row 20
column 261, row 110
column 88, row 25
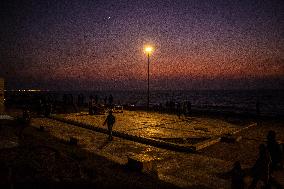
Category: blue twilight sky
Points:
column 98, row 44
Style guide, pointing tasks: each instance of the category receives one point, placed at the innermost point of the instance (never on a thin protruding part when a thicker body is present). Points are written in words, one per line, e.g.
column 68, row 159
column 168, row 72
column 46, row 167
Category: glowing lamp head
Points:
column 148, row 49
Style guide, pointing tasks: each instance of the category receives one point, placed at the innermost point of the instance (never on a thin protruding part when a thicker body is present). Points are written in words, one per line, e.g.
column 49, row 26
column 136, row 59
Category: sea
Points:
column 271, row 102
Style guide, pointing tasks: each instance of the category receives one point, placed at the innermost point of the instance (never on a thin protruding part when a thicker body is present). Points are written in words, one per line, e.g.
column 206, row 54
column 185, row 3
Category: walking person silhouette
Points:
column 110, row 120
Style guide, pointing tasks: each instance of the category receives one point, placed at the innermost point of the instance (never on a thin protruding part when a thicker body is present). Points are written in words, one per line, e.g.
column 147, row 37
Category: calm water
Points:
column 271, row 101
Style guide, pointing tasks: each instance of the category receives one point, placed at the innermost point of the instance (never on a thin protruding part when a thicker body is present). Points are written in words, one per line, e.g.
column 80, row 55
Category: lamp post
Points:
column 148, row 51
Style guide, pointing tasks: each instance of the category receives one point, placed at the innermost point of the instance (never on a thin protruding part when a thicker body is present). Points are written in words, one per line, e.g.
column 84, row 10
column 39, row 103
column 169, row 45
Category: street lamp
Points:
column 148, row 50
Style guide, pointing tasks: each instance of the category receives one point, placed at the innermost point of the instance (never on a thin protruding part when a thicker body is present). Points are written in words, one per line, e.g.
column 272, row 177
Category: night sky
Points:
column 98, row 44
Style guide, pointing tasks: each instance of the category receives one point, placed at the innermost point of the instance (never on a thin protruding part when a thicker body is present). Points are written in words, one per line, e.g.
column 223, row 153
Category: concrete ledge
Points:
column 41, row 128
column 247, row 127
column 8, row 144
column 207, row 143
column 143, row 140
column 73, row 141
column 141, row 162
column 6, row 120
column 229, row 138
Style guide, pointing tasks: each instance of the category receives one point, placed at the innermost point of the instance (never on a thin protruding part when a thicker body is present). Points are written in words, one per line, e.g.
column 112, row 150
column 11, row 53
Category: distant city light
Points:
column 24, row 90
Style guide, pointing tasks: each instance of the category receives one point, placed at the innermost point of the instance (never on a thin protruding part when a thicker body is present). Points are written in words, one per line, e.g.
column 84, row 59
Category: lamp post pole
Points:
column 148, row 91
column 148, row 51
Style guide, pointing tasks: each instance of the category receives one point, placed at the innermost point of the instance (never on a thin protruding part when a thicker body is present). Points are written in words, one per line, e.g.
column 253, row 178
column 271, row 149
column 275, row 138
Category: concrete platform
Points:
column 156, row 129
column 202, row 169
column 135, row 138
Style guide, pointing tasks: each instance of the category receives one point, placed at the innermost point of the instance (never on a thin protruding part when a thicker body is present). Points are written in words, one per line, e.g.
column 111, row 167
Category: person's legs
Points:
column 274, row 183
column 110, row 132
column 253, row 183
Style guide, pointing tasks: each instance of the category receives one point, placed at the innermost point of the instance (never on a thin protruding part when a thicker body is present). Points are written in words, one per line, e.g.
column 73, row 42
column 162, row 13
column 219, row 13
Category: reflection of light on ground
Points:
column 157, row 125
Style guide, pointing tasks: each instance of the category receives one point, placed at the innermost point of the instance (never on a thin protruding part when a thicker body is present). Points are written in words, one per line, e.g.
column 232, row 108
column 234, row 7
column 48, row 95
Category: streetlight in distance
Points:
column 148, row 50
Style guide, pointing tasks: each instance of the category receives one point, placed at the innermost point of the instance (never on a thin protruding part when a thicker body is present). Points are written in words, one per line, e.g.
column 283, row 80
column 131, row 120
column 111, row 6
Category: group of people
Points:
column 176, row 107
column 270, row 159
column 95, row 107
column 24, row 121
column 44, row 108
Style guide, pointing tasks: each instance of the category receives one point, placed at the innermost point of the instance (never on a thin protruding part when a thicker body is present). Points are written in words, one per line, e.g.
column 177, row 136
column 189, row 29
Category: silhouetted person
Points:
column 95, row 109
column 90, row 105
column 96, row 99
column 105, row 100
column 189, row 107
column 65, row 99
column 110, row 120
column 24, row 121
column 257, row 107
column 237, row 175
column 47, row 109
column 179, row 110
column 261, row 168
column 110, row 100
column 26, row 115
column 172, row 106
column 80, row 100
column 70, row 100
column 160, row 107
column 65, row 102
column 274, row 150
column 39, row 107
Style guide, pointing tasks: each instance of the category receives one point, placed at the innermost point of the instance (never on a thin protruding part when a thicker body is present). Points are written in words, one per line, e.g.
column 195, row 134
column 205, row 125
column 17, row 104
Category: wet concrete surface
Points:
column 182, row 169
column 166, row 127
column 202, row 169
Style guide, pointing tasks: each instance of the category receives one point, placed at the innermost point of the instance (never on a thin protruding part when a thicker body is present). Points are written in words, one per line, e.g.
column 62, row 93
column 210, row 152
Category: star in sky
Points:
column 99, row 44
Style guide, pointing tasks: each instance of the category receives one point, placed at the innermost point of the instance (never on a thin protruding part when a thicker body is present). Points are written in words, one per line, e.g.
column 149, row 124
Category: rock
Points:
column 230, row 138
column 41, row 128
column 143, row 163
column 73, row 141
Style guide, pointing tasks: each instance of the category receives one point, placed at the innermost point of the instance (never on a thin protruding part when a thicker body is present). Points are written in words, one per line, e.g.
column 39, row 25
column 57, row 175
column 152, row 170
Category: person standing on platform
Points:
column 110, row 100
column 110, row 120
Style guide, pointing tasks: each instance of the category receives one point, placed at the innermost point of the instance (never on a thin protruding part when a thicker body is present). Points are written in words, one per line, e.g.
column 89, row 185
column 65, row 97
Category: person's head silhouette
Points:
column 271, row 136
